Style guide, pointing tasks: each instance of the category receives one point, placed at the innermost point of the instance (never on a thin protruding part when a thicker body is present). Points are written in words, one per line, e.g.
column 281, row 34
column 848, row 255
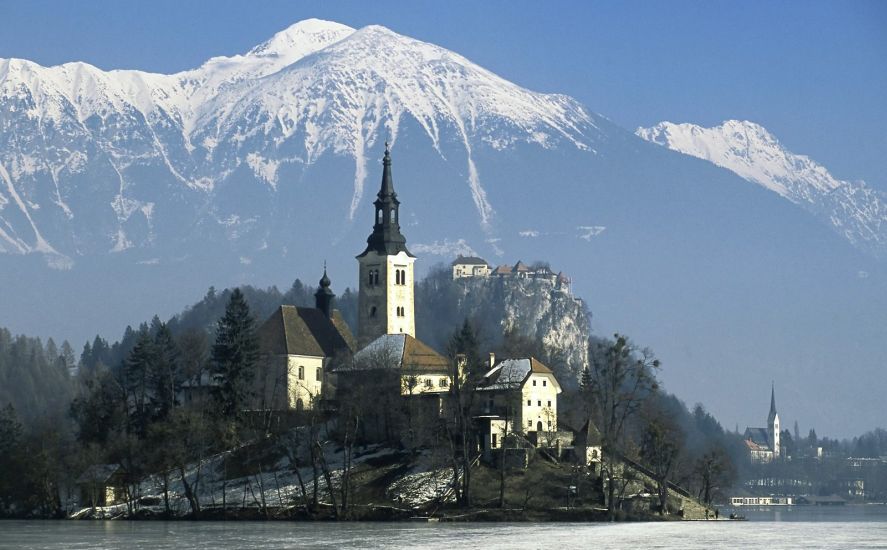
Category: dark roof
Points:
column 469, row 260
column 295, row 330
column 589, row 435
column 400, row 351
column 502, row 270
column 520, row 266
column 758, row 436
column 100, row 473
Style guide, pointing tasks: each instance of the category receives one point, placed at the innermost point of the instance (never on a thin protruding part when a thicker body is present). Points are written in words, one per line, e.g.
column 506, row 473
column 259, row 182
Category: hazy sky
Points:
column 813, row 73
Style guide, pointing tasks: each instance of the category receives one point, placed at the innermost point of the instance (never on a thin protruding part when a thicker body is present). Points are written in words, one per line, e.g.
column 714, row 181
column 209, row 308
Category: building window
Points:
column 529, row 403
column 444, row 382
column 379, row 216
column 530, row 424
column 545, row 382
column 495, row 438
column 539, row 403
column 549, row 403
column 319, row 375
column 534, row 382
column 373, row 311
column 428, row 383
column 299, row 404
column 393, row 215
column 301, row 373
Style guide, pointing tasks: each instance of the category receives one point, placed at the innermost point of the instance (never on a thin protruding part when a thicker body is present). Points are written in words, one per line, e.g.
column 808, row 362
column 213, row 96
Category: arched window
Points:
column 376, row 277
column 373, row 311
column 393, row 215
column 370, row 278
column 300, row 405
column 397, row 277
column 379, row 216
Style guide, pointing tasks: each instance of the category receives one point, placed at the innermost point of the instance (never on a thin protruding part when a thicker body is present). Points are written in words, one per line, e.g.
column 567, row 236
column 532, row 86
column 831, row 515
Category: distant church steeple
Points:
column 323, row 298
column 385, row 301
column 773, row 422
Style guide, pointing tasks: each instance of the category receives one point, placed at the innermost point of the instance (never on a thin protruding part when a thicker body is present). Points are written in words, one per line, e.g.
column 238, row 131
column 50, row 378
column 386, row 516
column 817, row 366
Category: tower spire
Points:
column 386, row 238
column 772, row 399
column 323, row 298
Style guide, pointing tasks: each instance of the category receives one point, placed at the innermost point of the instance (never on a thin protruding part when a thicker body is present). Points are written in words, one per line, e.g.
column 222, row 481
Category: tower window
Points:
column 373, row 311
column 397, row 277
column 393, row 215
column 379, row 216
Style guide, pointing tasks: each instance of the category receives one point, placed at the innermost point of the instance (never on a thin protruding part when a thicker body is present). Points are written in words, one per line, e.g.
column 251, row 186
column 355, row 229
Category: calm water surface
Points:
column 852, row 527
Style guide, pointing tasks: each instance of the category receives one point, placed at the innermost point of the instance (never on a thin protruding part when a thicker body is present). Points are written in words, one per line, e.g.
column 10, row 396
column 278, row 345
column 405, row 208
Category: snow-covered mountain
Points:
column 855, row 210
column 136, row 140
column 258, row 168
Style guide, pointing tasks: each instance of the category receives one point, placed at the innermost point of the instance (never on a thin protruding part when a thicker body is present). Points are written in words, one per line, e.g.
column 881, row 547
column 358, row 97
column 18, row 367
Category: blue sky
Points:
column 814, row 73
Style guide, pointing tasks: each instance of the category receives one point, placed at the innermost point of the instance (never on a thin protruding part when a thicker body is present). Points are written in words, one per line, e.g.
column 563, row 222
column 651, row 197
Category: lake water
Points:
column 851, row 527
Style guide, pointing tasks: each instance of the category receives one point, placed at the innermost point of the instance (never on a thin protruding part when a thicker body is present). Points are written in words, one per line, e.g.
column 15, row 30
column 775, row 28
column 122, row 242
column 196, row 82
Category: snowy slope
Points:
column 96, row 161
column 856, row 211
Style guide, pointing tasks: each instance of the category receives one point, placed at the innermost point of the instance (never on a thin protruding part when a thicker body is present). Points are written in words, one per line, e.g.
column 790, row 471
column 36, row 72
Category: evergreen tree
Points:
column 138, row 370
column 234, row 355
column 166, row 374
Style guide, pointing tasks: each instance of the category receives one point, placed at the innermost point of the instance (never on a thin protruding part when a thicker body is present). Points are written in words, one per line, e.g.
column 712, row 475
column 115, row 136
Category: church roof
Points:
column 520, row 267
column 469, row 260
column 510, row 374
column 392, row 351
column 502, row 270
column 292, row 330
column 759, row 436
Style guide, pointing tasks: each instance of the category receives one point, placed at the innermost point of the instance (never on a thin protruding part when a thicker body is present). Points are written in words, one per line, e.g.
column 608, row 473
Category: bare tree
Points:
column 660, row 448
column 620, row 378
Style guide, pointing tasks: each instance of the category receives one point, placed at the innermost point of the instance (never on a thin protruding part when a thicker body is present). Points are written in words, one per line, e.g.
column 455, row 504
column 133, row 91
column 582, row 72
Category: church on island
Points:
column 311, row 360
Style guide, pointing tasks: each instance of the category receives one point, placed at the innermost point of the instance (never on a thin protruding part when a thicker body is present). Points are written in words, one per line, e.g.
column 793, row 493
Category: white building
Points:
column 519, row 395
column 470, row 266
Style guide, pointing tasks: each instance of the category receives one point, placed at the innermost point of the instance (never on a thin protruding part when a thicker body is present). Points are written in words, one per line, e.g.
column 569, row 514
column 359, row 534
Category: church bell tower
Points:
column 385, row 300
column 773, row 423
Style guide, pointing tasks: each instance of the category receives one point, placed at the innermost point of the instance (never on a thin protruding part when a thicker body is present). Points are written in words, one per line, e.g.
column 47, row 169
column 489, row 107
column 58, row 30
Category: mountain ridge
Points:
column 853, row 209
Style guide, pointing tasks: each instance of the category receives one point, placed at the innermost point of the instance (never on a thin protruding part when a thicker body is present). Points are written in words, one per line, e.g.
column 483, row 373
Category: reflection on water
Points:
column 850, row 527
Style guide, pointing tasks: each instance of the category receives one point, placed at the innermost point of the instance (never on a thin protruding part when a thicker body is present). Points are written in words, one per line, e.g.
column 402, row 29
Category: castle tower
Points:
column 385, row 299
column 773, row 423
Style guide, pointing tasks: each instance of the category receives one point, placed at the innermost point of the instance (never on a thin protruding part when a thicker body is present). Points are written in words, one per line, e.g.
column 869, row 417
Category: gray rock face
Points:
column 536, row 309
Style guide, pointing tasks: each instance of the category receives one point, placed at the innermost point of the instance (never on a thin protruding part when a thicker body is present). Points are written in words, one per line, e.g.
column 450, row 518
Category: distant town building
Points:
column 763, row 443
